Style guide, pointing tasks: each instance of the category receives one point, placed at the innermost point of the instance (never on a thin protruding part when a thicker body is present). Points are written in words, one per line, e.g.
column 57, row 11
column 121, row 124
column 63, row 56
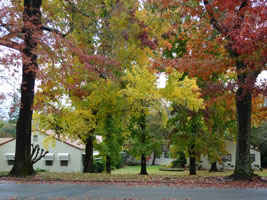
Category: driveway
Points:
column 14, row 190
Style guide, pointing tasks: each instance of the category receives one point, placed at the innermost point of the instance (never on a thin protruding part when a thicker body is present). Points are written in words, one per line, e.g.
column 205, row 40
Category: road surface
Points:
column 21, row 191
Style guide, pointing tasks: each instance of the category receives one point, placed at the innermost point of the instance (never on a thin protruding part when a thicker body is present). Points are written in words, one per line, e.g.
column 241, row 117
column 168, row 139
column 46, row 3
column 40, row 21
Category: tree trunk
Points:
column 243, row 106
column 143, row 165
column 213, row 167
column 143, row 140
column 108, row 164
column 88, row 160
column 154, row 159
column 32, row 23
column 192, row 165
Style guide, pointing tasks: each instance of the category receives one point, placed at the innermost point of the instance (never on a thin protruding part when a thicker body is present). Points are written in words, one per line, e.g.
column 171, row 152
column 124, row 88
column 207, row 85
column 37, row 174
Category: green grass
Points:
column 3, row 173
column 154, row 170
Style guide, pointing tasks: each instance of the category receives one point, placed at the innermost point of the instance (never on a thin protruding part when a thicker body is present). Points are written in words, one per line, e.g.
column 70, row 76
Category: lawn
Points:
column 131, row 173
column 154, row 170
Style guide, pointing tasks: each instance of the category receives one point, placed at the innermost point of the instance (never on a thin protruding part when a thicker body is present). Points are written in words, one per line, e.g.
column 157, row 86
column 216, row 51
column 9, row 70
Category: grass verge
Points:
column 130, row 173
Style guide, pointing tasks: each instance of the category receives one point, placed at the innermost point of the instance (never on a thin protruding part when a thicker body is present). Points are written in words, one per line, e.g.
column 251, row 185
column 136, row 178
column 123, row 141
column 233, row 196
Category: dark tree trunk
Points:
column 89, row 159
column 143, row 140
column 32, row 23
column 108, row 164
column 192, row 164
column 243, row 168
column 243, row 106
column 213, row 167
column 143, row 165
column 154, row 159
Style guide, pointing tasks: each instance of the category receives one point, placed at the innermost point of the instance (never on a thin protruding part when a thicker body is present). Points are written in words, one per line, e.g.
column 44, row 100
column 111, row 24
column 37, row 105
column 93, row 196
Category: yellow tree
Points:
column 143, row 96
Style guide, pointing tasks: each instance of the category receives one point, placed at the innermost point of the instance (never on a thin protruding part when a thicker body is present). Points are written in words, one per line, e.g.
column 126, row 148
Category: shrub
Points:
column 99, row 165
column 132, row 163
column 41, row 170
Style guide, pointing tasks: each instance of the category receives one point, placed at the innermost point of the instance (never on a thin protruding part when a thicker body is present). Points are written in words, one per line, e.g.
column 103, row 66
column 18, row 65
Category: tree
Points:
column 34, row 35
column 157, row 124
column 31, row 27
column 244, row 15
column 183, row 93
column 142, row 96
column 241, row 29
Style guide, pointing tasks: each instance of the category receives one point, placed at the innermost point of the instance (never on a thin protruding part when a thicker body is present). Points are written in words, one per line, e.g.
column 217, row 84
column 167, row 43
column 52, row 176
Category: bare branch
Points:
column 37, row 154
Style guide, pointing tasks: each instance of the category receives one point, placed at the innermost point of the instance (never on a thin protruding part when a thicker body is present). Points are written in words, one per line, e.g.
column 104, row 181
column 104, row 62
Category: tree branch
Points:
column 80, row 11
column 10, row 44
column 53, row 30
column 243, row 5
column 37, row 156
column 213, row 20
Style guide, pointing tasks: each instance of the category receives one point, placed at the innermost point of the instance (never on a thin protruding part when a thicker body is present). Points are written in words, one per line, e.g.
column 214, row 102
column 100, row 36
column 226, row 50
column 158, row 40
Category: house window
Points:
column 166, row 155
column 64, row 163
column 10, row 162
column 35, row 138
column 252, row 157
column 49, row 163
column 165, row 147
column 227, row 157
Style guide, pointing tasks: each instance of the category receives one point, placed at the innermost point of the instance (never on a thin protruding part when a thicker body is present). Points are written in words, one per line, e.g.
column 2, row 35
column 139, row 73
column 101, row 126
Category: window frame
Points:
column 64, row 161
column 227, row 157
column 49, row 163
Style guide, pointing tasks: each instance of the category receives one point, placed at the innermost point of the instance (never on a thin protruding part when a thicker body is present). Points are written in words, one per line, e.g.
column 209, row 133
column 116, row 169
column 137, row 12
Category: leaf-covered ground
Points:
column 129, row 176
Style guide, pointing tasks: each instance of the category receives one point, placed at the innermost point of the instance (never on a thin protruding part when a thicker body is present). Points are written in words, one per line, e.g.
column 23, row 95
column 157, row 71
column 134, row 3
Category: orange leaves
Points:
column 259, row 110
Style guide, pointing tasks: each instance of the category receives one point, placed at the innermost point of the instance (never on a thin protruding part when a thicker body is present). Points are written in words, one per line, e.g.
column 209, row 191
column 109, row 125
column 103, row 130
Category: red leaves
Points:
column 146, row 41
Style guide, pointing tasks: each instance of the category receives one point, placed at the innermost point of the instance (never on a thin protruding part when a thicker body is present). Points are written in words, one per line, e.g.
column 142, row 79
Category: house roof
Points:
column 77, row 143
column 5, row 140
column 74, row 143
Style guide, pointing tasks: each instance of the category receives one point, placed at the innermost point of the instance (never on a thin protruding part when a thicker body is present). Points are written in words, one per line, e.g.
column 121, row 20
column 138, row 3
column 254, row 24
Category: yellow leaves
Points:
column 80, row 121
column 184, row 92
column 259, row 110
column 49, row 140
column 141, row 86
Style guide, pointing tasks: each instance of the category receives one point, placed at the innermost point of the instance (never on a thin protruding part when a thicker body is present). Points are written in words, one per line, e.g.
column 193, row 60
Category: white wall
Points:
column 75, row 157
column 74, row 163
column 229, row 165
column 6, row 148
column 160, row 161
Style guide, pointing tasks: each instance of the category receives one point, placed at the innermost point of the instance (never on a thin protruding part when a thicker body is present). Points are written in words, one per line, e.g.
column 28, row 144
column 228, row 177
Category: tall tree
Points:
column 25, row 30
column 244, row 16
column 31, row 28
column 142, row 96
column 241, row 28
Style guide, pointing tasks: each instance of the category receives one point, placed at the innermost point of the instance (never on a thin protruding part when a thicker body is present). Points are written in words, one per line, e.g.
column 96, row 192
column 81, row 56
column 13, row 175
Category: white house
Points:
column 64, row 156
column 228, row 159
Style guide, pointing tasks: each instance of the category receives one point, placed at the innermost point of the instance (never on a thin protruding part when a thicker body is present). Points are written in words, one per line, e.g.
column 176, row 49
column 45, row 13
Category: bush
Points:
column 41, row 170
column 180, row 162
column 99, row 165
column 132, row 163
column 117, row 162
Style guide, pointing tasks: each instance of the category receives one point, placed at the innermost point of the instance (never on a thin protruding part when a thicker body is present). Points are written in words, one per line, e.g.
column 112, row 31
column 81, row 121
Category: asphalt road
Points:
column 10, row 190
